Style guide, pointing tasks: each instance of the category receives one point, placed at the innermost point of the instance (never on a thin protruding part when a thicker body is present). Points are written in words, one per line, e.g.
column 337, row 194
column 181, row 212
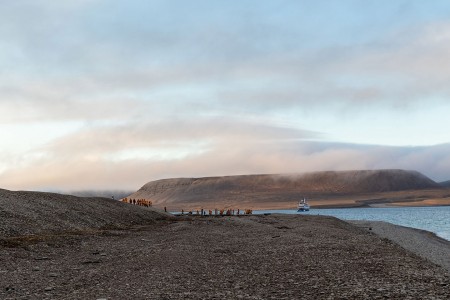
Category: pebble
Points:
column 42, row 258
column 91, row 262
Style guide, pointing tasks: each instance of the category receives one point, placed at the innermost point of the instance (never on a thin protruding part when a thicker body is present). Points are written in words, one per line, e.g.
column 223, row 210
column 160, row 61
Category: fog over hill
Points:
column 248, row 189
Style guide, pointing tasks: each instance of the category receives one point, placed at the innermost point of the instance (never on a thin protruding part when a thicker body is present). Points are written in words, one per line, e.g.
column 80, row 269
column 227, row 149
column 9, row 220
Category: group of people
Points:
column 219, row 212
column 202, row 212
column 140, row 202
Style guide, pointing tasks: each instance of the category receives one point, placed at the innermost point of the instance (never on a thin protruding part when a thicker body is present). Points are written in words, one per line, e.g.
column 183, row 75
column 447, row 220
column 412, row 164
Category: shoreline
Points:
column 423, row 243
column 322, row 207
column 286, row 199
column 347, row 215
column 362, row 204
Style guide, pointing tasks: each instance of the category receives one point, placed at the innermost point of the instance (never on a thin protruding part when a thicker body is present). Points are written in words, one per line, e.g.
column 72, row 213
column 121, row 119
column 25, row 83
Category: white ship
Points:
column 303, row 205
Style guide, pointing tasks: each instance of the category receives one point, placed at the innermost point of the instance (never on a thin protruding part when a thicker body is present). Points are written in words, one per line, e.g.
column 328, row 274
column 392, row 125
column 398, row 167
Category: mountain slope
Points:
column 445, row 183
column 181, row 192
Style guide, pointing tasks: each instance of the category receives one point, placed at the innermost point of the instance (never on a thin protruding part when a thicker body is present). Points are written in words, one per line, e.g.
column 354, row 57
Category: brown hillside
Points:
column 25, row 213
column 253, row 189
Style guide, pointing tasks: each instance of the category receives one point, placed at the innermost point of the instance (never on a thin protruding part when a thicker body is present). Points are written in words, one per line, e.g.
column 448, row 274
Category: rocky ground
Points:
column 35, row 213
column 254, row 257
column 423, row 243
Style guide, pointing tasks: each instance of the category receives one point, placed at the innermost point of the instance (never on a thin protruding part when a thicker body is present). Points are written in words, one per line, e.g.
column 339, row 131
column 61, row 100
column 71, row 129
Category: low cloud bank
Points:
column 90, row 160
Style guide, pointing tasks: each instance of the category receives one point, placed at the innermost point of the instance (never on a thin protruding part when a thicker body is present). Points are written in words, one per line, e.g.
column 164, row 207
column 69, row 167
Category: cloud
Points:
column 124, row 55
column 97, row 150
column 404, row 67
column 159, row 90
column 401, row 70
column 93, row 158
column 243, row 160
column 178, row 133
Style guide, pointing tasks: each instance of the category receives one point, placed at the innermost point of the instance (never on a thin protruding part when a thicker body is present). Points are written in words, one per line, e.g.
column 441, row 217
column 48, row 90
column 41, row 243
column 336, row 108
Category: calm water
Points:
column 434, row 219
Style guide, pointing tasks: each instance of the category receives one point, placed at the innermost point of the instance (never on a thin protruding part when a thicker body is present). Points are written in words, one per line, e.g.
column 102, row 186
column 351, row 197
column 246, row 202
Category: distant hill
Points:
column 445, row 183
column 117, row 194
column 26, row 213
column 251, row 189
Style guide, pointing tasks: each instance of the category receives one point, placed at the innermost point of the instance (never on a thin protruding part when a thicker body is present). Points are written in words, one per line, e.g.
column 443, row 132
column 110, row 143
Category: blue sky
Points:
column 98, row 94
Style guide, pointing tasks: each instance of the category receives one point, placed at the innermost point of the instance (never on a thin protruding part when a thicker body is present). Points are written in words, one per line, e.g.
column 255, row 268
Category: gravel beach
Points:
column 423, row 243
column 248, row 257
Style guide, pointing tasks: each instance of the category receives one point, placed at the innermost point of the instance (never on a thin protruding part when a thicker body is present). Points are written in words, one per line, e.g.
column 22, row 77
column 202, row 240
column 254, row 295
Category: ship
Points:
column 303, row 205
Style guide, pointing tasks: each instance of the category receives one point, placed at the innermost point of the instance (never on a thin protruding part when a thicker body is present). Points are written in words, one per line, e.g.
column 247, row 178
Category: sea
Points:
column 435, row 219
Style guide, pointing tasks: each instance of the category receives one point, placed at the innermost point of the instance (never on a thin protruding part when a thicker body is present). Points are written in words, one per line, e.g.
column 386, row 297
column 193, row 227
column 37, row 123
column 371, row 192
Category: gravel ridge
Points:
column 36, row 213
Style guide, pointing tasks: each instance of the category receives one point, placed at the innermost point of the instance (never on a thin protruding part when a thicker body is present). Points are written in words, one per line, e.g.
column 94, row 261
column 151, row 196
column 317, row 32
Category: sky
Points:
column 111, row 94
